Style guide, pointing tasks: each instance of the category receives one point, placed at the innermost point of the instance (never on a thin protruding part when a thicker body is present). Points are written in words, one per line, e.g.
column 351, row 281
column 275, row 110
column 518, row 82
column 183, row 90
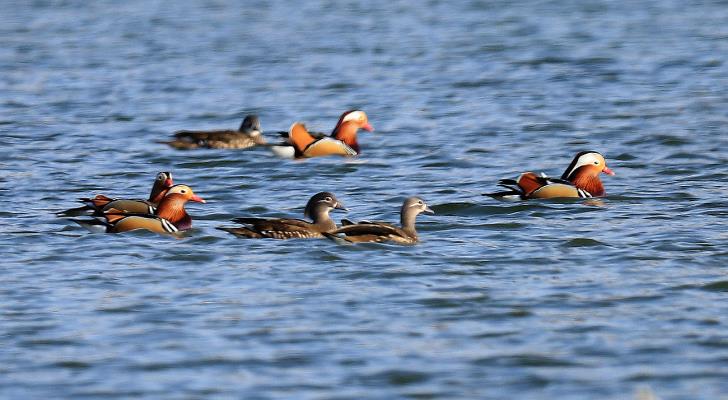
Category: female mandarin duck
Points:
column 317, row 208
column 379, row 232
column 581, row 179
column 342, row 142
column 170, row 216
column 99, row 204
column 248, row 135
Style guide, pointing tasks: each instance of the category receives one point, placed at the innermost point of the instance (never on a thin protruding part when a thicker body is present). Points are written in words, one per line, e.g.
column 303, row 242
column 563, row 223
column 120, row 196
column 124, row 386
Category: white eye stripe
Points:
column 587, row 159
column 354, row 116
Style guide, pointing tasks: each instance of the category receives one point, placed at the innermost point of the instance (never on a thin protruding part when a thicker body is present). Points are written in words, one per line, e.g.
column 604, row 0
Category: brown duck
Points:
column 248, row 135
column 170, row 216
column 317, row 208
column 380, row 232
column 342, row 142
column 581, row 179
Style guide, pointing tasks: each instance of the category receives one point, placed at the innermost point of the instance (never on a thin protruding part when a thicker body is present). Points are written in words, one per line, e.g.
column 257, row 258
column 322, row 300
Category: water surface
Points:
column 537, row 300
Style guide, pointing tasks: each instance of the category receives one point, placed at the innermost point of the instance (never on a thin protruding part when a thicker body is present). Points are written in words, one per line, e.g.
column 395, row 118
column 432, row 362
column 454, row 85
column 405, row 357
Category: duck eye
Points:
column 183, row 191
column 328, row 199
column 596, row 162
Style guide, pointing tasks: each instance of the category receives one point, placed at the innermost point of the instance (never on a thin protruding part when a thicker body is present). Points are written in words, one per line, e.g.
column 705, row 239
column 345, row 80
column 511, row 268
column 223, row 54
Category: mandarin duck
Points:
column 317, row 208
column 101, row 203
column 170, row 215
column 342, row 141
column 248, row 135
column 380, row 232
column 581, row 179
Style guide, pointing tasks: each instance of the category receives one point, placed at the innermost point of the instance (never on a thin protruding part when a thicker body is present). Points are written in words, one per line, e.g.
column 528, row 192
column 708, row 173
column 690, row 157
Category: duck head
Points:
column 251, row 125
column 320, row 204
column 162, row 183
column 584, row 172
column 349, row 123
column 172, row 206
column 411, row 208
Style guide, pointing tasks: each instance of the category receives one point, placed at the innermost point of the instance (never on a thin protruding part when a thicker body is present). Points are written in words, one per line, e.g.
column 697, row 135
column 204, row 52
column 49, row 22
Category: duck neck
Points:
column 588, row 180
column 346, row 132
column 322, row 220
column 407, row 219
column 172, row 208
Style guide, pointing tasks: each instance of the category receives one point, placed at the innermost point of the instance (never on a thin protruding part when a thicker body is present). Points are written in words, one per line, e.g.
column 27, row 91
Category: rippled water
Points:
column 555, row 299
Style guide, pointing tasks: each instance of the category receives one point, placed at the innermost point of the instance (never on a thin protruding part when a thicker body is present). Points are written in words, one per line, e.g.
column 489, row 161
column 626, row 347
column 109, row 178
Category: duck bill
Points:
column 169, row 183
column 428, row 210
column 341, row 207
column 368, row 127
column 197, row 199
column 608, row 171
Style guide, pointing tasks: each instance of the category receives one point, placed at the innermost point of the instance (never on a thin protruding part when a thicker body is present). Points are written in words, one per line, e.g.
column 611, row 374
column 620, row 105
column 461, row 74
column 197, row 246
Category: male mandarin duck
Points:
column 317, row 208
column 101, row 203
column 170, row 216
column 380, row 232
column 248, row 135
column 342, row 142
column 581, row 179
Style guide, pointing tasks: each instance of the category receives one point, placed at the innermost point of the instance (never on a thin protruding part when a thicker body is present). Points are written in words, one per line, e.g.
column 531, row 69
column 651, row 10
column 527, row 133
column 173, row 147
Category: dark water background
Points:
column 539, row 300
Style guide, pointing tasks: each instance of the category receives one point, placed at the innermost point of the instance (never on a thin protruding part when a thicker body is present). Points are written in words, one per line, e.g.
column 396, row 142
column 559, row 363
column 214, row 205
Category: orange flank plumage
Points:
column 529, row 182
column 300, row 137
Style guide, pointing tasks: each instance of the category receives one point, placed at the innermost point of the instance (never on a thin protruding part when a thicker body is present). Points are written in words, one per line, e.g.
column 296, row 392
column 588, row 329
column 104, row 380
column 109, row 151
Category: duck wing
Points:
column 368, row 232
column 275, row 228
column 221, row 139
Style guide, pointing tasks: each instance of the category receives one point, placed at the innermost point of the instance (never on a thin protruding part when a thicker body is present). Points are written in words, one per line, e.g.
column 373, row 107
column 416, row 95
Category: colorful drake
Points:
column 581, row 179
column 97, row 205
column 342, row 142
column 170, row 216
column 248, row 135
column 317, row 209
column 379, row 232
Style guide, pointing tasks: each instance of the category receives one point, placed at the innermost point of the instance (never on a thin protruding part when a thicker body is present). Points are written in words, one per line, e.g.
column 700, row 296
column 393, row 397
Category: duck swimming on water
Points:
column 581, row 179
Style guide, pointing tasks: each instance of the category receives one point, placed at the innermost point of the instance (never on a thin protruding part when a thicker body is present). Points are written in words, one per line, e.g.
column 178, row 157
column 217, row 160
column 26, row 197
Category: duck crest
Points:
column 571, row 169
column 340, row 122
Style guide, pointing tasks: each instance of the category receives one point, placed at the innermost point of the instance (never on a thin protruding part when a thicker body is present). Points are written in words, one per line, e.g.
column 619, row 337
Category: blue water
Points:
column 619, row 299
